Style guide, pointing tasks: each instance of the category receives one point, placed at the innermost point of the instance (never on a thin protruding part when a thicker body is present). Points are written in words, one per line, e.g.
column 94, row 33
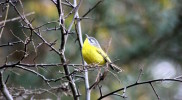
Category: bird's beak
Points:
column 87, row 36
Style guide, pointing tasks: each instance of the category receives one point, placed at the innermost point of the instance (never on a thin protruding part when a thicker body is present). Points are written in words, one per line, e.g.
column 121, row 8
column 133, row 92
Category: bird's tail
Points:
column 115, row 67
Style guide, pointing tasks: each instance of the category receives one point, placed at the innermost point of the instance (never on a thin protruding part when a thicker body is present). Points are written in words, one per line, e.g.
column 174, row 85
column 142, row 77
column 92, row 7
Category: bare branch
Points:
column 64, row 3
column 10, row 43
column 80, row 41
column 117, row 94
column 92, row 8
column 100, row 90
column 64, row 37
column 4, row 23
column 140, row 83
column 140, row 74
column 16, row 18
column 155, row 91
column 46, row 24
column 32, row 28
column 3, row 88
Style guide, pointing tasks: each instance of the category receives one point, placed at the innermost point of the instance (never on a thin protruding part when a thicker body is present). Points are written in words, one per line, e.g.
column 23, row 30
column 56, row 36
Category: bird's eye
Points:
column 91, row 40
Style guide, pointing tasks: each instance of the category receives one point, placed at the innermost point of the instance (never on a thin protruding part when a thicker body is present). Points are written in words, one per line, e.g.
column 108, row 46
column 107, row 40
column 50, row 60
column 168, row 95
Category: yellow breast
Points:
column 91, row 55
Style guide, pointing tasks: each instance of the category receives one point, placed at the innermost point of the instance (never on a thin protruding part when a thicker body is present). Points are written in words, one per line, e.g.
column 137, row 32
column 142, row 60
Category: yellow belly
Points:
column 91, row 56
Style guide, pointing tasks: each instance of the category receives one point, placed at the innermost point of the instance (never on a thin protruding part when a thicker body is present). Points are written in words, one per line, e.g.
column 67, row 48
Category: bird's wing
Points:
column 104, row 55
column 107, row 59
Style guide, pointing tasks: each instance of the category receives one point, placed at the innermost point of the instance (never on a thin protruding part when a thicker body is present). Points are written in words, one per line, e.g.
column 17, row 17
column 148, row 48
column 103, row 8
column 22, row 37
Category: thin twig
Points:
column 3, row 88
column 124, row 93
column 154, row 91
column 10, row 43
column 64, row 3
column 46, row 24
column 92, row 8
column 75, row 16
column 32, row 28
column 119, row 95
column 140, row 83
column 4, row 23
column 16, row 18
column 140, row 74
column 178, row 77
column 36, row 73
column 100, row 89
column 101, row 78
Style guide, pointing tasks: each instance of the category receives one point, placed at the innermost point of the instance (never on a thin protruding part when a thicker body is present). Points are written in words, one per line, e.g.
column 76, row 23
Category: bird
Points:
column 93, row 53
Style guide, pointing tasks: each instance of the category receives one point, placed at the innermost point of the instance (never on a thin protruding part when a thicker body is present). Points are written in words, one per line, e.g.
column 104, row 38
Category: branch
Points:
column 92, row 8
column 64, row 37
column 7, row 65
column 140, row 83
column 80, row 41
column 10, row 44
column 16, row 18
column 140, row 74
column 40, row 75
column 29, row 25
column 4, row 23
column 3, row 88
column 64, row 3
column 21, row 91
column 155, row 91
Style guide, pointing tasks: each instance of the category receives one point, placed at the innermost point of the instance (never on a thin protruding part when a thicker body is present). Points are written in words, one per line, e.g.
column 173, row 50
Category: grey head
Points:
column 93, row 41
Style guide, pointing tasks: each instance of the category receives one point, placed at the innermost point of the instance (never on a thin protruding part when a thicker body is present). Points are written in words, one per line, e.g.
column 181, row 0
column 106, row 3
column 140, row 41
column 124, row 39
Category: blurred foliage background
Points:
column 144, row 34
